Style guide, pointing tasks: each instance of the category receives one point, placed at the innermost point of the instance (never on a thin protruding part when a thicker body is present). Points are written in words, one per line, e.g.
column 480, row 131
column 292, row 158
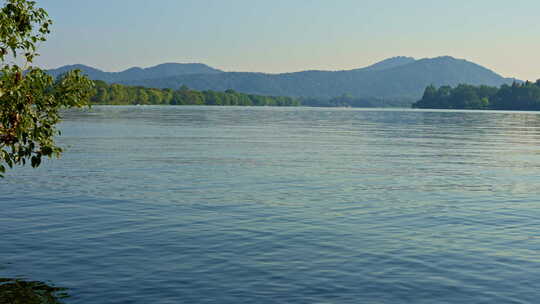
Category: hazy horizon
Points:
column 280, row 36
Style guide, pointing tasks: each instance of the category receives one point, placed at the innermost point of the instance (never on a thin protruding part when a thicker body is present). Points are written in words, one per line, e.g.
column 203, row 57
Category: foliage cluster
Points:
column 518, row 96
column 125, row 95
column 30, row 99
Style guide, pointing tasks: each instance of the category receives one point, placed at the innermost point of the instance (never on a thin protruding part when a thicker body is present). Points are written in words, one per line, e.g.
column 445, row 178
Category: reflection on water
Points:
column 15, row 291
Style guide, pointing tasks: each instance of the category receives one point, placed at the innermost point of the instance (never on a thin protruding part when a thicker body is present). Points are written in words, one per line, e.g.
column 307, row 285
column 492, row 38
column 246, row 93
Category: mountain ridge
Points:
column 137, row 73
column 401, row 77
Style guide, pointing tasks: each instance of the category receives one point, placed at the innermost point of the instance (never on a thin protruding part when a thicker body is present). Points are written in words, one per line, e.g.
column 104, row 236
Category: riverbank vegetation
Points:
column 518, row 96
column 117, row 94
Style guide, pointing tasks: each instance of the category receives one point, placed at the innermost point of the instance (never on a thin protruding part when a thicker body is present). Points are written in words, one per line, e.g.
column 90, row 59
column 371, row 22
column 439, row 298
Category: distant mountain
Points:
column 136, row 73
column 389, row 63
column 402, row 78
column 398, row 78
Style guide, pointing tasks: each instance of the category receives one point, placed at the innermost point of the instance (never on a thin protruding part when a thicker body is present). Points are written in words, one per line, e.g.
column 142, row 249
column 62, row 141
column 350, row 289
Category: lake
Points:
column 186, row 204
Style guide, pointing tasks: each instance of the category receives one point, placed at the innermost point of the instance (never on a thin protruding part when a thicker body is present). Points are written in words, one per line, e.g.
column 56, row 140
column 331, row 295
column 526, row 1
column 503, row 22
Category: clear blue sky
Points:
column 291, row 35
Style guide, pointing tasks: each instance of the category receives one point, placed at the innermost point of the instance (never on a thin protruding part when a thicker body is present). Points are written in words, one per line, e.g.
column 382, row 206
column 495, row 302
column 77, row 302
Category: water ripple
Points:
column 274, row 205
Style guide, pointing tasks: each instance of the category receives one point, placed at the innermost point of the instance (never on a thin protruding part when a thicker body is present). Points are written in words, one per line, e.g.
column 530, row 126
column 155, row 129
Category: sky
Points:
column 275, row 36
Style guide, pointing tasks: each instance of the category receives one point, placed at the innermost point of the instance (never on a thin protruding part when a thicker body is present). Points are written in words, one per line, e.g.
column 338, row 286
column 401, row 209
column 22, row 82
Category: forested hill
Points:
column 518, row 96
column 396, row 79
column 117, row 94
column 136, row 73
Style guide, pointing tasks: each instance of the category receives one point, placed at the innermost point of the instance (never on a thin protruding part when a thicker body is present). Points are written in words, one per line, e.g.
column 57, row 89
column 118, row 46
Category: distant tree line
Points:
column 347, row 100
column 117, row 94
column 518, row 96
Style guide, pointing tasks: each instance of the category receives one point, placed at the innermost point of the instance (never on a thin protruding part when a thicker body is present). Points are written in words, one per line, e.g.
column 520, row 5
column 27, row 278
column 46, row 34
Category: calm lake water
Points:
column 281, row 205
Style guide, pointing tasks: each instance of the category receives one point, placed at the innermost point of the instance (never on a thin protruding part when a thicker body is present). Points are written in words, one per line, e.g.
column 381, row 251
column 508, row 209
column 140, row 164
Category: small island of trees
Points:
column 518, row 96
